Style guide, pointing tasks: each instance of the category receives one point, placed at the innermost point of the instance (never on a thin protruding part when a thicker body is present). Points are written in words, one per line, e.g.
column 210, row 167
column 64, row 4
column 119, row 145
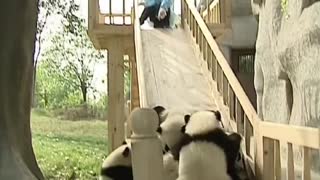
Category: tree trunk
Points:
column 84, row 91
column 17, row 34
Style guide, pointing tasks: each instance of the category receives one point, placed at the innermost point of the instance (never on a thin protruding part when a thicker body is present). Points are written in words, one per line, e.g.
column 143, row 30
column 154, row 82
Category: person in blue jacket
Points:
column 158, row 11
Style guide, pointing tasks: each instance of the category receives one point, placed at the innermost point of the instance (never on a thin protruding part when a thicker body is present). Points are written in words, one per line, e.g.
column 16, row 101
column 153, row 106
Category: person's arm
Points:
column 166, row 4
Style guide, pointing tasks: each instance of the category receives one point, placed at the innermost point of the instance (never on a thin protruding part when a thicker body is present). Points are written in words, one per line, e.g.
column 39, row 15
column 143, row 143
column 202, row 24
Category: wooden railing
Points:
column 139, row 57
column 115, row 12
column 212, row 12
column 264, row 159
column 273, row 134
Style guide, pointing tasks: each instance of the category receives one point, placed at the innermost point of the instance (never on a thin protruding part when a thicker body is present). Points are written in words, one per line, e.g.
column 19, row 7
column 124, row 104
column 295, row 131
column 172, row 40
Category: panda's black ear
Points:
column 218, row 115
column 187, row 118
column 159, row 109
column 183, row 129
column 124, row 142
column 126, row 152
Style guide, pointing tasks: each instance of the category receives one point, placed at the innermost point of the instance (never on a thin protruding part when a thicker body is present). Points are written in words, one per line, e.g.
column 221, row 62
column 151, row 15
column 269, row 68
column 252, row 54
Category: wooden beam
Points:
column 116, row 109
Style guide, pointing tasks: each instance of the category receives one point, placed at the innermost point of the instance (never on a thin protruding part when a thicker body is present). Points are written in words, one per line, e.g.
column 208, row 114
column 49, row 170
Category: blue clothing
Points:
column 149, row 3
column 165, row 4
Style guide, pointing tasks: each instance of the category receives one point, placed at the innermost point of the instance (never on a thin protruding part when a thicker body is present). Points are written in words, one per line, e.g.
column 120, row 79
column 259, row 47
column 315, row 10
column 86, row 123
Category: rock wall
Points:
column 17, row 38
column 287, row 66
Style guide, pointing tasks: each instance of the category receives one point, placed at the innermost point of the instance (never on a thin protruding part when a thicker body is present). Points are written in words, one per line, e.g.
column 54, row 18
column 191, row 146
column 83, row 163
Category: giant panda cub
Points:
column 206, row 152
column 170, row 123
column 118, row 166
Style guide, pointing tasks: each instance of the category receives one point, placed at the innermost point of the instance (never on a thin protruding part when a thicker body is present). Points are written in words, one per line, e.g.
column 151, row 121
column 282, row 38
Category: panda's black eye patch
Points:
column 159, row 130
column 126, row 152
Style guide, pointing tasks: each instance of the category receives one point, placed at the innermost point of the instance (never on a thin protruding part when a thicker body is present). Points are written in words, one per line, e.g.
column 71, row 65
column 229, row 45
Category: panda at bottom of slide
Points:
column 170, row 123
column 206, row 152
column 117, row 165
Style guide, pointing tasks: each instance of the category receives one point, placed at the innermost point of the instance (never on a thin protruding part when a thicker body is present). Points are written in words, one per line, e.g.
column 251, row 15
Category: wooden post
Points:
column 116, row 116
column 182, row 14
column 147, row 162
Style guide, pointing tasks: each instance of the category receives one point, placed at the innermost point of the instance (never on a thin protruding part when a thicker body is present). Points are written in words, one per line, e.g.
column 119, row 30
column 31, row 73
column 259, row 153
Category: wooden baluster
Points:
column 239, row 117
column 204, row 43
column 209, row 58
column 124, row 11
column 219, row 79
column 268, row 159
column 248, row 133
column 277, row 160
column 290, row 163
column 214, row 67
column 306, row 174
column 231, row 102
column 147, row 161
column 200, row 40
column 110, row 11
column 225, row 90
column 209, row 12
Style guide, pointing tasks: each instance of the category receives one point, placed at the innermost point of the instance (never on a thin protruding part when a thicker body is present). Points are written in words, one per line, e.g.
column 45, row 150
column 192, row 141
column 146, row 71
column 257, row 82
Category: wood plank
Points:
column 290, row 163
column 306, row 172
column 277, row 160
column 268, row 159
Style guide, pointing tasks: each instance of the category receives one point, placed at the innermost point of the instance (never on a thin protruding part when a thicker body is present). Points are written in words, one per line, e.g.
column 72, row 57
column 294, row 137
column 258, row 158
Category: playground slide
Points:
column 174, row 74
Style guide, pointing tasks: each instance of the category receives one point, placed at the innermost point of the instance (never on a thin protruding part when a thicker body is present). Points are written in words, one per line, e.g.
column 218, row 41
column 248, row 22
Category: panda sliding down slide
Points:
column 202, row 144
column 206, row 152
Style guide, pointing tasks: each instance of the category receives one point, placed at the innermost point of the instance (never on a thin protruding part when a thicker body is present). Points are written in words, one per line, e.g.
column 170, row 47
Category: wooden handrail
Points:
column 139, row 57
column 298, row 135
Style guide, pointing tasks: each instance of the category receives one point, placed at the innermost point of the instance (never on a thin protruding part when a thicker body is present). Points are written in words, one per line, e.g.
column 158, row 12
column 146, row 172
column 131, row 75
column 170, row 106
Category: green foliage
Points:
column 52, row 90
column 69, row 149
column 65, row 72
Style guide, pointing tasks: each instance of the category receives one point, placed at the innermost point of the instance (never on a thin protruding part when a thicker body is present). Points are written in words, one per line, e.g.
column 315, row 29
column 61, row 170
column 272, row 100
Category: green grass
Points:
column 69, row 149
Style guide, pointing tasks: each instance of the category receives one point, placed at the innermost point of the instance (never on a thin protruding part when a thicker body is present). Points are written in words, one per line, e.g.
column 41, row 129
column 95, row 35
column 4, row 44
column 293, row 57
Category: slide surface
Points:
column 175, row 75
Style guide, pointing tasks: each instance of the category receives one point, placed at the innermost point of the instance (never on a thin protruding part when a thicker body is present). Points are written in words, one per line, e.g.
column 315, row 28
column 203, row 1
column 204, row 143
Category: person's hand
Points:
column 162, row 13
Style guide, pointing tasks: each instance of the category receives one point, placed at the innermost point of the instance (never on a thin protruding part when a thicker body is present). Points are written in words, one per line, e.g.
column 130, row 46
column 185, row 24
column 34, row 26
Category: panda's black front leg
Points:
column 175, row 150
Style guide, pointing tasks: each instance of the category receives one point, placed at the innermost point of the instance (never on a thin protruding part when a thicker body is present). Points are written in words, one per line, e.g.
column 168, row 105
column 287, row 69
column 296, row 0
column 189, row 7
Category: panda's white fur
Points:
column 203, row 159
column 170, row 167
column 197, row 157
column 171, row 122
column 117, row 165
column 202, row 122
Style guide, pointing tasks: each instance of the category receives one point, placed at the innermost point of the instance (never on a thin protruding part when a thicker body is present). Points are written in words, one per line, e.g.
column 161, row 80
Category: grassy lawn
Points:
column 69, row 149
